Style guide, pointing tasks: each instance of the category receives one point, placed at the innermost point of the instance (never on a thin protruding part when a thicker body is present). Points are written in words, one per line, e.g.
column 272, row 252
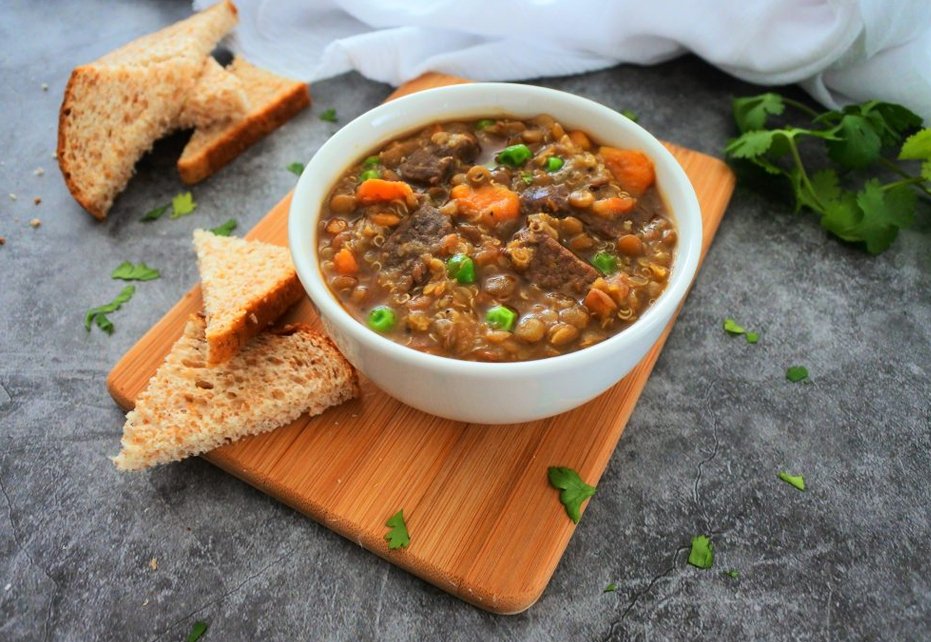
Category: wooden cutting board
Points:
column 484, row 523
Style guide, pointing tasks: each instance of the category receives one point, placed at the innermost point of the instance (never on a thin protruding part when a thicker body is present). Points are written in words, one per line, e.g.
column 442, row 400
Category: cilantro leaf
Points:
column 750, row 144
column 98, row 315
column 732, row 573
column 898, row 119
column 751, row 112
column 225, row 229
column 858, row 144
column 734, row 328
column 610, row 588
column 701, row 555
column 296, row 168
column 197, row 631
column 794, row 480
column 574, row 490
column 731, row 327
column 398, row 536
column 129, row 272
column 629, row 114
column 328, row 115
column 926, row 170
column 155, row 214
column 917, row 146
column 182, row 205
column 796, row 373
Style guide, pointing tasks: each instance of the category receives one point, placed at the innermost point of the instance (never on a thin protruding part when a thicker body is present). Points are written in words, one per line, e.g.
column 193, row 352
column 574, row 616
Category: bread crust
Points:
column 242, row 134
column 259, row 315
column 78, row 74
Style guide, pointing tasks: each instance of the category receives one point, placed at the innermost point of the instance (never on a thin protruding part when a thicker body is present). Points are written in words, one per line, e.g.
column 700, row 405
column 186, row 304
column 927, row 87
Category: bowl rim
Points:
column 303, row 215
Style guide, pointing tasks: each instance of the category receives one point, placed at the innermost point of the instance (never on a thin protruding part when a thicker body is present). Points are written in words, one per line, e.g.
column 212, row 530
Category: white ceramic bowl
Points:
column 489, row 393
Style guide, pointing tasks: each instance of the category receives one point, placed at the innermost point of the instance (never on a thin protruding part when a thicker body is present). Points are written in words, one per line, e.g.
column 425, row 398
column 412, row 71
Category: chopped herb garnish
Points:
column 296, row 168
column 527, row 177
column 484, row 124
column 371, row 162
column 197, row 631
column 629, row 114
column 574, row 490
column 129, row 272
column 734, row 328
column 182, row 205
column 701, row 554
column 328, row 115
column 795, row 480
column 855, row 206
column 98, row 315
column 610, row 588
column 732, row 573
column 225, row 229
column 796, row 373
column 397, row 537
column 154, row 215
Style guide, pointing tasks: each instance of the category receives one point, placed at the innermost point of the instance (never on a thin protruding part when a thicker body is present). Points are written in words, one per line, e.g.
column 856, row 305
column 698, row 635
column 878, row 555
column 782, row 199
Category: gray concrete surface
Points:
column 846, row 560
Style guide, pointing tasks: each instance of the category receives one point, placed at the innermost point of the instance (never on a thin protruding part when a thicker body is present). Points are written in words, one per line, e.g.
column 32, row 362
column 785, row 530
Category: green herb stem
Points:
column 908, row 179
column 797, row 159
column 801, row 107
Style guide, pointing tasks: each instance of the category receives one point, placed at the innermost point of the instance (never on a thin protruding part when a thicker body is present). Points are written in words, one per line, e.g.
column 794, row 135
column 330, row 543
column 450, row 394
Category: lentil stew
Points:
column 497, row 240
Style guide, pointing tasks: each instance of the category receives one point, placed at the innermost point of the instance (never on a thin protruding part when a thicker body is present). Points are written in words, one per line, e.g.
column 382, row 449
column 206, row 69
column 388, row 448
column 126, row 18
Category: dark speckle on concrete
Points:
column 845, row 560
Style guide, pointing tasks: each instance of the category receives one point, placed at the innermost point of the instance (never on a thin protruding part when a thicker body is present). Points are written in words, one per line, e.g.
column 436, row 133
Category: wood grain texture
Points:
column 484, row 523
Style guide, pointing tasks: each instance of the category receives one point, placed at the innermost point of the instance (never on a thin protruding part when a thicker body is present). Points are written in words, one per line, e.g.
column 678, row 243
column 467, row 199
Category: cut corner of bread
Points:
column 246, row 286
column 115, row 108
column 189, row 408
column 272, row 99
column 218, row 97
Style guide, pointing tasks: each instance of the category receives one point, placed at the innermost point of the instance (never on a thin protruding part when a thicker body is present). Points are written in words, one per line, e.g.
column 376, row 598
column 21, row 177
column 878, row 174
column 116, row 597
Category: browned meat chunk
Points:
column 551, row 266
column 431, row 165
column 424, row 166
column 420, row 233
column 553, row 199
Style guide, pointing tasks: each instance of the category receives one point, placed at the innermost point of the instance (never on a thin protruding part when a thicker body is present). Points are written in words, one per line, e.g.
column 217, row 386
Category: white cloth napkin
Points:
column 839, row 50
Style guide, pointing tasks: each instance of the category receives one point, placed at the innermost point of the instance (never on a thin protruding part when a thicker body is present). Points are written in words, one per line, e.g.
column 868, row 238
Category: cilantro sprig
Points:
column 397, row 536
column 197, row 631
column 99, row 314
column 701, row 554
column 798, row 481
column 734, row 328
column 850, row 197
column 181, row 205
column 126, row 271
column 296, row 168
column 225, row 229
column 574, row 490
column 328, row 115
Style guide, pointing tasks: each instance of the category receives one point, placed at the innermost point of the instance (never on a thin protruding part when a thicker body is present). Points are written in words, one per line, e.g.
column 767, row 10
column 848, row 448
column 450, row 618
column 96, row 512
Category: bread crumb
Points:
column 45, row 86
column 146, row 602
column 35, row 222
column 2, row 240
column 12, row 196
column 153, row 564
column 37, row 200
column 39, row 171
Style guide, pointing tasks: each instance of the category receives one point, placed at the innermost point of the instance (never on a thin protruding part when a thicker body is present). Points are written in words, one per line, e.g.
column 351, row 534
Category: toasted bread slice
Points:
column 218, row 97
column 246, row 286
column 273, row 100
column 188, row 408
column 114, row 109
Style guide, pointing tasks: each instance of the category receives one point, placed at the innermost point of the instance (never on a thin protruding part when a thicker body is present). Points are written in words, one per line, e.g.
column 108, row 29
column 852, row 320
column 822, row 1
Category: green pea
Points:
column 606, row 263
column 369, row 173
column 514, row 156
column 501, row 318
column 461, row 268
column 554, row 163
column 382, row 319
column 485, row 123
column 371, row 162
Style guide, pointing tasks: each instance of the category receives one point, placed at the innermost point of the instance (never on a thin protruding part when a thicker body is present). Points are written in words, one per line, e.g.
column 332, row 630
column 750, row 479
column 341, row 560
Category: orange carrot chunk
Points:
column 600, row 303
column 611, row 208
column 632, row 169
column 377, row 190
column 492, row 200
column 345, row 263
